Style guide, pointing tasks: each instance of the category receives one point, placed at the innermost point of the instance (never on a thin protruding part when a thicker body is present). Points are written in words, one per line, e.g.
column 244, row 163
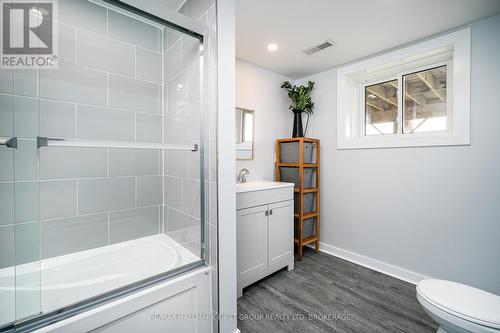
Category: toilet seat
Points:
column 462, row 301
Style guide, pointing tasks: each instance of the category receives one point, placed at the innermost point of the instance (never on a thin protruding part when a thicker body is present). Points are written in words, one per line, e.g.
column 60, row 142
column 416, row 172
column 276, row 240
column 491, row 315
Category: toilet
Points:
column 459, row 308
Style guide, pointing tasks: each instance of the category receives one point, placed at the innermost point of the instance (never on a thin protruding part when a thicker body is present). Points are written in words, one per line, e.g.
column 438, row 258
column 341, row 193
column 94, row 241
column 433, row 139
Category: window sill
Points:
column 403, row 141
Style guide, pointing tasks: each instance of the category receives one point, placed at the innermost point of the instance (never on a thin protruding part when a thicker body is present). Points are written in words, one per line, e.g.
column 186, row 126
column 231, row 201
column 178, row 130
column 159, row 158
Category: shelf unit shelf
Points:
column 300, row 216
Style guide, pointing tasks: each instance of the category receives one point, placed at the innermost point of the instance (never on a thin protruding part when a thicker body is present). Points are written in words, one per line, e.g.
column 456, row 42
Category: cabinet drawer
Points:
column 263, row 197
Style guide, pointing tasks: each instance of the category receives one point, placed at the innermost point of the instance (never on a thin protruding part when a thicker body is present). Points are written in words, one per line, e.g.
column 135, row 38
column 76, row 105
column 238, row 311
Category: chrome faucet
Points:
column 242, row 176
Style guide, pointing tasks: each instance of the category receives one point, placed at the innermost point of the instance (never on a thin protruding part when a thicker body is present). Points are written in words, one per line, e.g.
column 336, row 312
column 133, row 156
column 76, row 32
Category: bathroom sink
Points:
column 259, row 185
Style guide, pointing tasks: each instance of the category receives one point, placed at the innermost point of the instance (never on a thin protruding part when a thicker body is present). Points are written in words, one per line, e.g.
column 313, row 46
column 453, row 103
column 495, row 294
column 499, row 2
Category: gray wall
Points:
column 431, row 210
column 258, row 89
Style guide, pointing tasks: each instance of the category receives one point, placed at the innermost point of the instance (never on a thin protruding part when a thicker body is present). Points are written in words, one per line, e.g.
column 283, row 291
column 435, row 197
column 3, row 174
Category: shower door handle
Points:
column 9, row 142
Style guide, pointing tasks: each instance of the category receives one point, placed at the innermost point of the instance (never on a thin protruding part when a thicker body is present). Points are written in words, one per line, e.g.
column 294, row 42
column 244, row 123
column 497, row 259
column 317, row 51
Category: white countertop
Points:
column 259, row 186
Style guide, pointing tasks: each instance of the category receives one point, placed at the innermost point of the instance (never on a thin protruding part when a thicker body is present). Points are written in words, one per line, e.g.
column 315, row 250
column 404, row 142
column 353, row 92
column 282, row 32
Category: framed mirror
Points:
column 244, row 134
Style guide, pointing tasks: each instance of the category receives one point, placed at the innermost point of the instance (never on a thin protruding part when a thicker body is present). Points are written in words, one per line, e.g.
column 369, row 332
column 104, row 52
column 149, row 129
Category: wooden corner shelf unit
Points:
column 301, row 189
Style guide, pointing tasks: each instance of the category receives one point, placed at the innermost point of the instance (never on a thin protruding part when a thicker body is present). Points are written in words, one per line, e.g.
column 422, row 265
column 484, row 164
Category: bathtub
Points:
column 59, row 282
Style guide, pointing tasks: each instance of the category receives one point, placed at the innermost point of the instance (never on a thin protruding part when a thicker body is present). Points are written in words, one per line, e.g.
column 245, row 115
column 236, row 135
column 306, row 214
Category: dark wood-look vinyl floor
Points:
column 345, row 297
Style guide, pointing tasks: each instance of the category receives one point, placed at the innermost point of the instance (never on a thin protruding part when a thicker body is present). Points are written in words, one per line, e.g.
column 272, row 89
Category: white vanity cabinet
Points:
column 264, row 226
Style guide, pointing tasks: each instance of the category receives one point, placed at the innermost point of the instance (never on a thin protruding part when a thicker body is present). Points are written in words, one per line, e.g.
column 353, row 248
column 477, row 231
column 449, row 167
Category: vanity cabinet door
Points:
column 251, row 230
column 280, row 232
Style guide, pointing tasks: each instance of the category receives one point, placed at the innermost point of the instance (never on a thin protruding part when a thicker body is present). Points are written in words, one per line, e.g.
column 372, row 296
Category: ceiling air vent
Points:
column 321, row 46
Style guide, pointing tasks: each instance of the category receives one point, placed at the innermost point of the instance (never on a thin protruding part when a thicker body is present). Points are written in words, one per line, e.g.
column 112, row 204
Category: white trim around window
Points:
column 452, row 50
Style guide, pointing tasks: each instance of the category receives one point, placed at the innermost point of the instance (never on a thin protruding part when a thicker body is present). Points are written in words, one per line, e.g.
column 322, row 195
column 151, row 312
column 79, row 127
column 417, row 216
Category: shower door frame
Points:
column 171, row 19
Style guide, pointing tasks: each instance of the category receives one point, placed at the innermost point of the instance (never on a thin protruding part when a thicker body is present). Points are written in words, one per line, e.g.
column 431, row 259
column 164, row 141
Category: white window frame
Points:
column 452, row 50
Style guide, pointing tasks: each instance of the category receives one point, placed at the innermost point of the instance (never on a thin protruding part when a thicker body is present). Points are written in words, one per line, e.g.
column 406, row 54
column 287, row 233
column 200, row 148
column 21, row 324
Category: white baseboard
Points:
column 376, row 265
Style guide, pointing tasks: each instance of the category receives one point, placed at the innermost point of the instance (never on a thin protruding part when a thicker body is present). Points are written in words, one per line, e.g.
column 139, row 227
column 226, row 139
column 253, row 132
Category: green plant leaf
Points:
column 300, row 96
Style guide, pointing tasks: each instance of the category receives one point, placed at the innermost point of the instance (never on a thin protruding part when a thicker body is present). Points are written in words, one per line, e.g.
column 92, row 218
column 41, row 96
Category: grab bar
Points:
column 56, row 142
column 9, row 142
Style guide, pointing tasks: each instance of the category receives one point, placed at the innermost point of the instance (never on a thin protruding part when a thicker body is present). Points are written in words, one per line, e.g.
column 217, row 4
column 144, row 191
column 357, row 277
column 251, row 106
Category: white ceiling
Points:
column 358, row 27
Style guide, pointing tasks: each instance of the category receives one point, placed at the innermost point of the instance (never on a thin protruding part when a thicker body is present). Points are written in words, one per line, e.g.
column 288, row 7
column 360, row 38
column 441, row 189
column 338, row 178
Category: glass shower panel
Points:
column 19, row 223
column 119, row 162
column 7, row 226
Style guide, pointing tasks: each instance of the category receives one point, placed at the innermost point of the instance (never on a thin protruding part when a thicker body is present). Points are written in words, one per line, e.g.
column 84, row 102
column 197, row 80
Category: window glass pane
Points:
column 425, row 101
column 381, row 108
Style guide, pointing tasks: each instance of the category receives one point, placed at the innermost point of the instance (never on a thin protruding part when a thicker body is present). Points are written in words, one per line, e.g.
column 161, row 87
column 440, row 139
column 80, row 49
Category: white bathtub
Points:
column 58, row 282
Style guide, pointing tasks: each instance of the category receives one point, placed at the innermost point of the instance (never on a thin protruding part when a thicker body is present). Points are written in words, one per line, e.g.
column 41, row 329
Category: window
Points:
column 425, row 101
column 421, row 107
column 416, row 96
column 381, row 108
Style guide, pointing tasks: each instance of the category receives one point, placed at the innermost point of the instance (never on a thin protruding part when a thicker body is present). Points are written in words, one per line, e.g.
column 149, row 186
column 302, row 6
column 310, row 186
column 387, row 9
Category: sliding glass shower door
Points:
column 101, row 161
column 19, row 198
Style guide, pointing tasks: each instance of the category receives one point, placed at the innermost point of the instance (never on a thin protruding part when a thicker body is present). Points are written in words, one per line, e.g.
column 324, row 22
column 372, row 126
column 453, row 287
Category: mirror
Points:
column 244, row 134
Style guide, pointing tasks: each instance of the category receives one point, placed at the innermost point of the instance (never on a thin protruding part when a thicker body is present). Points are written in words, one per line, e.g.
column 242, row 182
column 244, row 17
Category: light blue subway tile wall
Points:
column 83, row 14
column 7, row 245
column 133, row 162
column 114, row 96
column 67, row 43
column 25, row 117
column 194, row 231
column 27, row 243
column 26, row 202
column 6, row 115
column 6, row 164
column 177, row 163
column 191, row 197
column 170, row 36
column 114, row 56
column 133, row 31
column 57, row 119
column 194, row 165
column 193, row 78
column 72, row 162
column 6, row 81
column 148, row 127
column 173, row 192
column 177, row 225
column 74, row 234
column 190, row 51
column 97, row 123
column 191, row 129
column 74, row 84
column 25, row 82
column 173, row 60
column 20, row 82
column 25, row 160
column 57, row 198
column 106, row 194
column 173, row 128
column 6, row 204
column 149, row 191
column 134, row 223
column 177, row 93
column 148, row 65
column 130, row 94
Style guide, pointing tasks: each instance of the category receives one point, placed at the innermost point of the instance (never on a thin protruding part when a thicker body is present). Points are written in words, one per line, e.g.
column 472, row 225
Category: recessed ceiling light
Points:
column 180, row 87
column 272, row 47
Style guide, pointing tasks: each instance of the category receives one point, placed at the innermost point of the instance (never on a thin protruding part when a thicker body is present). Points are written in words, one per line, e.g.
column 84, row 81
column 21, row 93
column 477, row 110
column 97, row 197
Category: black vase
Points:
column 297, row 124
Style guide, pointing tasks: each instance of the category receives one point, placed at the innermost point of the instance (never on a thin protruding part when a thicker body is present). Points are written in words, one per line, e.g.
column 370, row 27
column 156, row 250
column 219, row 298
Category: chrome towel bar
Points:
column 9, row 142
column 57, row 142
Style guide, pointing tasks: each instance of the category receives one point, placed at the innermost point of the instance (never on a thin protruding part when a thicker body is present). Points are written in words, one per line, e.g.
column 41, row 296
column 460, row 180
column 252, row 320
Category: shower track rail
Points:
column 57, row 142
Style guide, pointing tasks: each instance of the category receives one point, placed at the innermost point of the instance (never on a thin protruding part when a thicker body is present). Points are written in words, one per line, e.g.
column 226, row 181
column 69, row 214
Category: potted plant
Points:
column 300, row 98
